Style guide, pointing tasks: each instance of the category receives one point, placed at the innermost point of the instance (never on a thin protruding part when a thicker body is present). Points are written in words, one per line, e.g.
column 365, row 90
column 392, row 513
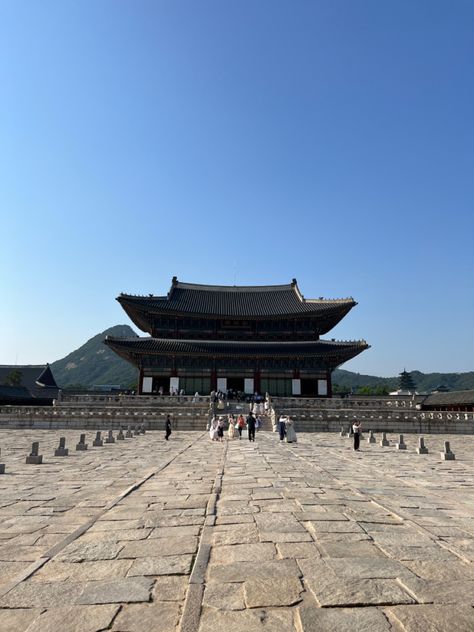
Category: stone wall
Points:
column 394, row 414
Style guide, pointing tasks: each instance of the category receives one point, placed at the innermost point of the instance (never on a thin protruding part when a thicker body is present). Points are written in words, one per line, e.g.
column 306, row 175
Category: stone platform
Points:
column 189, row 535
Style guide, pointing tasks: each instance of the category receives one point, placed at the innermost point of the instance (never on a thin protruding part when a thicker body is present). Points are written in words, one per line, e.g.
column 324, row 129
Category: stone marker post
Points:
column 447, row 455
column 98, row 442
column 371, row 438
column 384, row 442
column 110, row 437
column 401, row 445
column 136, row 431
column 82, row 445
column 421, row 449
column 142, row 429
column 2, row 465
column 128, row 434
column 120, row 435
column 61, row 450
column 35, row 458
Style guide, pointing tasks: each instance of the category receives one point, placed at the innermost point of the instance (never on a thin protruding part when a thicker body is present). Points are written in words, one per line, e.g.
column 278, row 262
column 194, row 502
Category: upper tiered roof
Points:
column 232, row 301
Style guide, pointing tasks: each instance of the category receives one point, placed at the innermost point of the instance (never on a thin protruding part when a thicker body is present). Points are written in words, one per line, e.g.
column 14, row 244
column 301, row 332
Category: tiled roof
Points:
column 38, row 380
column 236, row 301
column 453, row 398
column 228, row 348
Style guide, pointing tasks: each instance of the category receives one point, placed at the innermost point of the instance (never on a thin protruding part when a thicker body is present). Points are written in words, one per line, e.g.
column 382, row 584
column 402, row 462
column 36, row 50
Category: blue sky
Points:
column 239, row 142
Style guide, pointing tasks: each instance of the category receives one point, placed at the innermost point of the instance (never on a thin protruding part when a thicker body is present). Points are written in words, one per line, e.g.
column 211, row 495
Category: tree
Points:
column 14, row 378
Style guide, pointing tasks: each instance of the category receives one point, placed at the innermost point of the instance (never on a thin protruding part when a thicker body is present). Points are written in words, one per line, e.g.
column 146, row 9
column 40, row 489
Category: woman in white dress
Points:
column 290, row 431
column 231, row 430
column 214, row 429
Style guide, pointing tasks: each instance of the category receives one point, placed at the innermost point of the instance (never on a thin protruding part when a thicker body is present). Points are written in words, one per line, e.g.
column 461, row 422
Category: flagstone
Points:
column 331, row 591
column 153, row 617
column 224, row 596
column 75, row 619
column 435, row 618
column 368, row 619
column 18, row 620
column 170, row 565
column 243, row 553
column 272, row 591
column 264, row 620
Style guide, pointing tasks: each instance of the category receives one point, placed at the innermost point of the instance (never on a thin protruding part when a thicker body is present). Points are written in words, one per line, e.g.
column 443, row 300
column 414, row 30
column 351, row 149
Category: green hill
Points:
column 94, row 364
column 346, row 380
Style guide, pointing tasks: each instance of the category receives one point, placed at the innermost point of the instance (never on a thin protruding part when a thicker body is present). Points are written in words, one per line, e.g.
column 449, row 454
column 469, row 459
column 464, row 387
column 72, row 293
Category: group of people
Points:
column 286, row 429
column 234, row 426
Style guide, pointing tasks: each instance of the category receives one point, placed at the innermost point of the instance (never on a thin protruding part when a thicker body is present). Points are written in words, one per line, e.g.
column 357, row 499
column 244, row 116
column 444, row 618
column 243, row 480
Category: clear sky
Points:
column 241, row 143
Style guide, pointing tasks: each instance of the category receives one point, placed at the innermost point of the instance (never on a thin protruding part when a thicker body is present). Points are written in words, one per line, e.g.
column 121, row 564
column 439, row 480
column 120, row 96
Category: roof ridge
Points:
column 232, row 288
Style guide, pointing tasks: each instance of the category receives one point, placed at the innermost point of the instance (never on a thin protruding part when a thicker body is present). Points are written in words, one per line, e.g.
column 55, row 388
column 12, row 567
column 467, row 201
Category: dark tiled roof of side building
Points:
column 453, row 398
column 236, row 301
column 37, row 379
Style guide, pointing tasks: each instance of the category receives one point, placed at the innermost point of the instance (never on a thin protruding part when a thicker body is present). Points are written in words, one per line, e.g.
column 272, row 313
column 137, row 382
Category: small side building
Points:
column 459, row 401
column 27, row 385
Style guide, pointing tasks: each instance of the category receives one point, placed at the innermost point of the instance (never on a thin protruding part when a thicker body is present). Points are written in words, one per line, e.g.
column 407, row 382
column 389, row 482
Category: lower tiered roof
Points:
column 130, row 348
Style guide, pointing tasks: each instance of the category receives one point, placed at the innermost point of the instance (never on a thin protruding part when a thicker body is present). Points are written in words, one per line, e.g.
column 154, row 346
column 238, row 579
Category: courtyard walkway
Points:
column 144, row 535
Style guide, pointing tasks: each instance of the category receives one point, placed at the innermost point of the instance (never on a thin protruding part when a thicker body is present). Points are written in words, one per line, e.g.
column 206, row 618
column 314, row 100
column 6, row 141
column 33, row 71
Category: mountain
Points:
column 423, row 381
column 94, row 364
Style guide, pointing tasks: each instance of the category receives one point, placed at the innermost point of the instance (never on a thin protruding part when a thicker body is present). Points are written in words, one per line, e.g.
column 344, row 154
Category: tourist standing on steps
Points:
column 282, row 426
column 356, row 429
column 290, row 431
column 167, row 428
column 251, row 426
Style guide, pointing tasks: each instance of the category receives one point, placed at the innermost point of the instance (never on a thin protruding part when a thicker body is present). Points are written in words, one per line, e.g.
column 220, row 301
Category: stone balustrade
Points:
column 310, row 415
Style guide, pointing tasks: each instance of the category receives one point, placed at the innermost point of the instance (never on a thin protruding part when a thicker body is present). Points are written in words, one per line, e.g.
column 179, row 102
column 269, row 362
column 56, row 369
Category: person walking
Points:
column 167, row 427
column 356, row 429
column 282, row 426
column 240, row 425
column 290, row 431
column 251, row 426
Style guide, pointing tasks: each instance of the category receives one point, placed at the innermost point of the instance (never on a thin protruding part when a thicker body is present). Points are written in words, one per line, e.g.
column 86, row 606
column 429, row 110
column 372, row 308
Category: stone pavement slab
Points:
column 190, row 535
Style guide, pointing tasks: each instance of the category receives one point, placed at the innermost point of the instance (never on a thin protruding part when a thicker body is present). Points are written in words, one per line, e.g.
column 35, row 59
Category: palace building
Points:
column 244, row 338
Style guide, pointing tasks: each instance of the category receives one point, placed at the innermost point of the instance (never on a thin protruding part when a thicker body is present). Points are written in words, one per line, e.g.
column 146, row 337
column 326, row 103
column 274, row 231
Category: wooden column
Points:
column 213, row 376
column 140, row 381
column 329, row 382
column 256, row 382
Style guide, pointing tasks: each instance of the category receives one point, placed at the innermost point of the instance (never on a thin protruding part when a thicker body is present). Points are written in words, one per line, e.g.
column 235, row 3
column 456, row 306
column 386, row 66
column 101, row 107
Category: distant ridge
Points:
column 94, row 364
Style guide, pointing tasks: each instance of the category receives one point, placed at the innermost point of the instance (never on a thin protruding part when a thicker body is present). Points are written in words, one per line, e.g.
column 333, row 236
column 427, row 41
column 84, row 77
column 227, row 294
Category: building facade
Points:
column 244, row 338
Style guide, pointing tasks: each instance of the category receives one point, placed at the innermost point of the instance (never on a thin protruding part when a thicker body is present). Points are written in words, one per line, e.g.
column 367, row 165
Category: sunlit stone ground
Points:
column 147, row 535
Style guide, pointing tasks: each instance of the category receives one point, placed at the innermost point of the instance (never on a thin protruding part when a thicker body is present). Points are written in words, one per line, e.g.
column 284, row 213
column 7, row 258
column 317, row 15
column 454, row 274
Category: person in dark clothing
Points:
column 282, row 427
column 356, row 429
column 167, row 428
column 251, row 426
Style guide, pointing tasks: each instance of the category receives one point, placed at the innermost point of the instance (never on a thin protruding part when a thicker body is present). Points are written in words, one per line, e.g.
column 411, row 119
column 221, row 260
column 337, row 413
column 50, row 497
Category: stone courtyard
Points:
column 144, row 535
